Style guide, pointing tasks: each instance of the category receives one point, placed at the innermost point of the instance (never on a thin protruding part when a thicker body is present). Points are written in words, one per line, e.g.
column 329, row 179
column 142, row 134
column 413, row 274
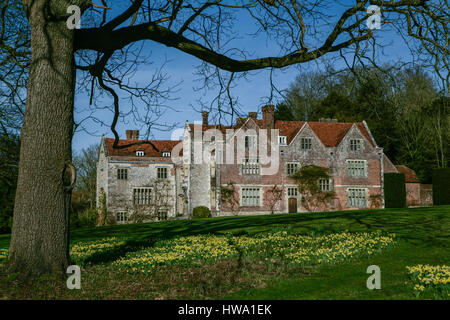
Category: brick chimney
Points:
column 253, row 115
column 268, row 116
column 240, row 121
column 132, row 134
column 205, row 115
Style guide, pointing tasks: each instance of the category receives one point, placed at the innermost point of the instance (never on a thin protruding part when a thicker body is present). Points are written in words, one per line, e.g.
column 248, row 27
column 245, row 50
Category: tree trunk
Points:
column 40, row 232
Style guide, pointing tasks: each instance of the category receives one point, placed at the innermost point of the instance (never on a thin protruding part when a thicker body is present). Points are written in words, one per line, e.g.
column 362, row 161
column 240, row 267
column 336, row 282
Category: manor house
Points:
column 215, row 166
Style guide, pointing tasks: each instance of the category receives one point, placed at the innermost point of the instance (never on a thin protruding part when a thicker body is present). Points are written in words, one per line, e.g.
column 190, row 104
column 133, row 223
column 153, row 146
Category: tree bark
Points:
column 40, row 233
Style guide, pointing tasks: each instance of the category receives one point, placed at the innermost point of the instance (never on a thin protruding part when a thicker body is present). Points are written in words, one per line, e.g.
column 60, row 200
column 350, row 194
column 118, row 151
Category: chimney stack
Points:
column 268, row 116
column 240, row 121
column 132, row 134
column 205, row 115
column 253, row 115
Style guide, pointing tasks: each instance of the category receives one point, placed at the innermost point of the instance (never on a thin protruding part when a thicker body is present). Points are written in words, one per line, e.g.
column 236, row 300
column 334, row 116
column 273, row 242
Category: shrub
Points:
column 441, row 186
column 87, row 218
column 201, row 212
column 394, row 190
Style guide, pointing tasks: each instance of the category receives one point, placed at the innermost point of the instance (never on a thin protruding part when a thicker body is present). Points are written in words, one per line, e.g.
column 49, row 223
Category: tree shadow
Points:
column 118, row 252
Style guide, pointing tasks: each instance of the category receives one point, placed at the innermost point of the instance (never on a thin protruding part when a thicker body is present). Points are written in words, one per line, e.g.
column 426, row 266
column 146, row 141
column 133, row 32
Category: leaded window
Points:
column 250, row 197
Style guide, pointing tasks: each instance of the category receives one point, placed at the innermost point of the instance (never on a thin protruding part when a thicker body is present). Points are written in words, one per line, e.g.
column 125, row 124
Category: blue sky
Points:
column 181, row 68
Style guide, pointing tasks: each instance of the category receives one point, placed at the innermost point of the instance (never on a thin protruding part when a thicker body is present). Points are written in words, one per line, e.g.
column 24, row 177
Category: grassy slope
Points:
column 423, row 237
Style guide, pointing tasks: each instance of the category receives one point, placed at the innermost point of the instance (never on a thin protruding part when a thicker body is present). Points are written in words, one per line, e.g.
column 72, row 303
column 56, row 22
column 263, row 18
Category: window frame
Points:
column 291, row 194
column 122, row 174
column 250, row 168
column 146, row 199
column 304, row 144
column 123, row 216
column 140, row 153
column 282, row 140
column 292, row 163
column 355, row 201
column 162, row 176
column 255, row 194
column 353, row 169
column 327, row 183
column 162, row 212
column 358, row 145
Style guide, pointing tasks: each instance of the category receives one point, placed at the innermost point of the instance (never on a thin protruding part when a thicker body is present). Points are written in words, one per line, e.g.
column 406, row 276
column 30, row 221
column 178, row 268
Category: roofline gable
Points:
column 370, row 133
column 354, row 126
column 298, row 132
column 315, row 134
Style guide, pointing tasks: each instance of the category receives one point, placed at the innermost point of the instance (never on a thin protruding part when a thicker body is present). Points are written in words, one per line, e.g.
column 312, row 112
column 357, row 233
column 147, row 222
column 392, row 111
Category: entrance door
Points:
column 292, row 205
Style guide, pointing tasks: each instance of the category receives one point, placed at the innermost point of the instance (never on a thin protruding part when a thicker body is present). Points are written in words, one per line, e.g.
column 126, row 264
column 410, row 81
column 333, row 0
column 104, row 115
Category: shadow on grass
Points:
column 116, row 252
column 425, row 226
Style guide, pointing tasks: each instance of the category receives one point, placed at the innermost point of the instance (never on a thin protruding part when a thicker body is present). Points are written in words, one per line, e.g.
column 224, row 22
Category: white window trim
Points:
column 290, row 196
column 330, row 185
column 125, row 215
column 140, row 153
column 254, row 162
column 166, row 154
column 282, row 140
column 366, row 197
column 366, row 169
column 251, row 187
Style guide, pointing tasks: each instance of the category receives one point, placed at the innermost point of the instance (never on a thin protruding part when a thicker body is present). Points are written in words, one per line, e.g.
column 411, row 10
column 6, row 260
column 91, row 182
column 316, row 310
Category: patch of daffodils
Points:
column 3, row 255
column 433, row 279
column 83, row 251
column 293, row 249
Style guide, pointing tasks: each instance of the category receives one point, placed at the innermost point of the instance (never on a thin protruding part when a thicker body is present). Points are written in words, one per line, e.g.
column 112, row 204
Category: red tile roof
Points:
column 410, row 174
column 288, row 128
column 330, row 133
column 151, row 148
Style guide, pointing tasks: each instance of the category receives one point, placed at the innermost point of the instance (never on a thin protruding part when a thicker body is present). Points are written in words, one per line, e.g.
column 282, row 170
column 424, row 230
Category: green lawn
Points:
column 422, row 235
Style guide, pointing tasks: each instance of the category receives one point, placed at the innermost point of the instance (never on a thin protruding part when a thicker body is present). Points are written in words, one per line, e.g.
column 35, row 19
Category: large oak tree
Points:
column 302, row 31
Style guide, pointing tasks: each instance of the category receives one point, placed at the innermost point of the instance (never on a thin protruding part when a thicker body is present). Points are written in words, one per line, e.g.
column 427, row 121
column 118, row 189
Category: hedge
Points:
column 201, row 212
column 394, row 190
column 441, row 186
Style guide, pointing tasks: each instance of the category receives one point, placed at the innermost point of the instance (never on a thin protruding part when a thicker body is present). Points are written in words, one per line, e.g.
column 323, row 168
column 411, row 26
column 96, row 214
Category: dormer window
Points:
column 282, row 141
column 166, row 154
column 139, row 153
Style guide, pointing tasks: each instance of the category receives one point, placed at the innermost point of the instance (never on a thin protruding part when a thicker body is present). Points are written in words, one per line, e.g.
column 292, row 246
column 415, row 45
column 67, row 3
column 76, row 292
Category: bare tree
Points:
column 86, row 163
column 107, row 51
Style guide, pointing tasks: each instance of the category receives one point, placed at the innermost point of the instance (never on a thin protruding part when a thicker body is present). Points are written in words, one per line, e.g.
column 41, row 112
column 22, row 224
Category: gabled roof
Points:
column 330, row 133
column 151, row 148
column 410, row 174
